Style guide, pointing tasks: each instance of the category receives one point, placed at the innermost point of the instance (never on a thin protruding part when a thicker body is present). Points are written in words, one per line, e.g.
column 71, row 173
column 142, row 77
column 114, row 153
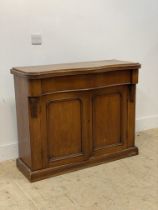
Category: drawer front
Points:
column 88, row 81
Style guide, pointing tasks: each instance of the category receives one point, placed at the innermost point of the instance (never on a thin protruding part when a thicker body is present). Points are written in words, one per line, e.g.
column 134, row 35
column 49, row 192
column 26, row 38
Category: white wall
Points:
column 77, row 30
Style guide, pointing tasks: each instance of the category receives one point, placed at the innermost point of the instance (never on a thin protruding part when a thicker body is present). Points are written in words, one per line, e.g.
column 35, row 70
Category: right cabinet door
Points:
column 109, row 119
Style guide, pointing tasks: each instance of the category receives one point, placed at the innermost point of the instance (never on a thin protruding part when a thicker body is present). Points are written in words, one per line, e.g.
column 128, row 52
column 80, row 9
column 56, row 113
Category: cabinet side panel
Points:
column 131, row 115
column 36, row 132
column 21, row 91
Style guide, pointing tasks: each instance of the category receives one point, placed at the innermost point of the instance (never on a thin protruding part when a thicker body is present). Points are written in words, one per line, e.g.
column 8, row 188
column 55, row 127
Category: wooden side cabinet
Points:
column 74, row 115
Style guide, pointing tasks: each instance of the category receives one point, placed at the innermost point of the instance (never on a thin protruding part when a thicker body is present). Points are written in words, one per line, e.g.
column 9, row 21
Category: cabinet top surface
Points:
column 73, row 68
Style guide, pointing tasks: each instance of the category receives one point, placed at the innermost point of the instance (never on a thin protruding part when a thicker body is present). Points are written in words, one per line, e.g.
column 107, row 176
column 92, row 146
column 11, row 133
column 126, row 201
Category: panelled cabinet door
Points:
column 109, row 119
column 64, row 126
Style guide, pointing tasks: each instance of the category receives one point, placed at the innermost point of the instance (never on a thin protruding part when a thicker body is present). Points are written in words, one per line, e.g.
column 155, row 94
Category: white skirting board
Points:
column 10, row 151
column 145, row 123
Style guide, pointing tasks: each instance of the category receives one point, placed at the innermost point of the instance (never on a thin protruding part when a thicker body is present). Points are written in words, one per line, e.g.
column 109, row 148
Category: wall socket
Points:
column 36, row 39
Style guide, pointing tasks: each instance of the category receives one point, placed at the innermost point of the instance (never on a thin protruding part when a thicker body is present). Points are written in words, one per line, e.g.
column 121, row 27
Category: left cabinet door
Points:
column 65, row 119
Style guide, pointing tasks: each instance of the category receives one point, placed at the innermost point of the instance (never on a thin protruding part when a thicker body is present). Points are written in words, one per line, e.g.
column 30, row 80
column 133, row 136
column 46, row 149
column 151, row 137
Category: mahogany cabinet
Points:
column 74, row 115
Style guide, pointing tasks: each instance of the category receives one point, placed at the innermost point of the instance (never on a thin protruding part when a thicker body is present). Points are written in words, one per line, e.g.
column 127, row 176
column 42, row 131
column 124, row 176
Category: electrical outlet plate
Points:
column 36, row 39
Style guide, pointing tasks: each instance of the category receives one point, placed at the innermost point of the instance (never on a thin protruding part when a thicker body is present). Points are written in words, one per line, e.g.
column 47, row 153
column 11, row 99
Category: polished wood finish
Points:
column 73, row 68
column 72, row 116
